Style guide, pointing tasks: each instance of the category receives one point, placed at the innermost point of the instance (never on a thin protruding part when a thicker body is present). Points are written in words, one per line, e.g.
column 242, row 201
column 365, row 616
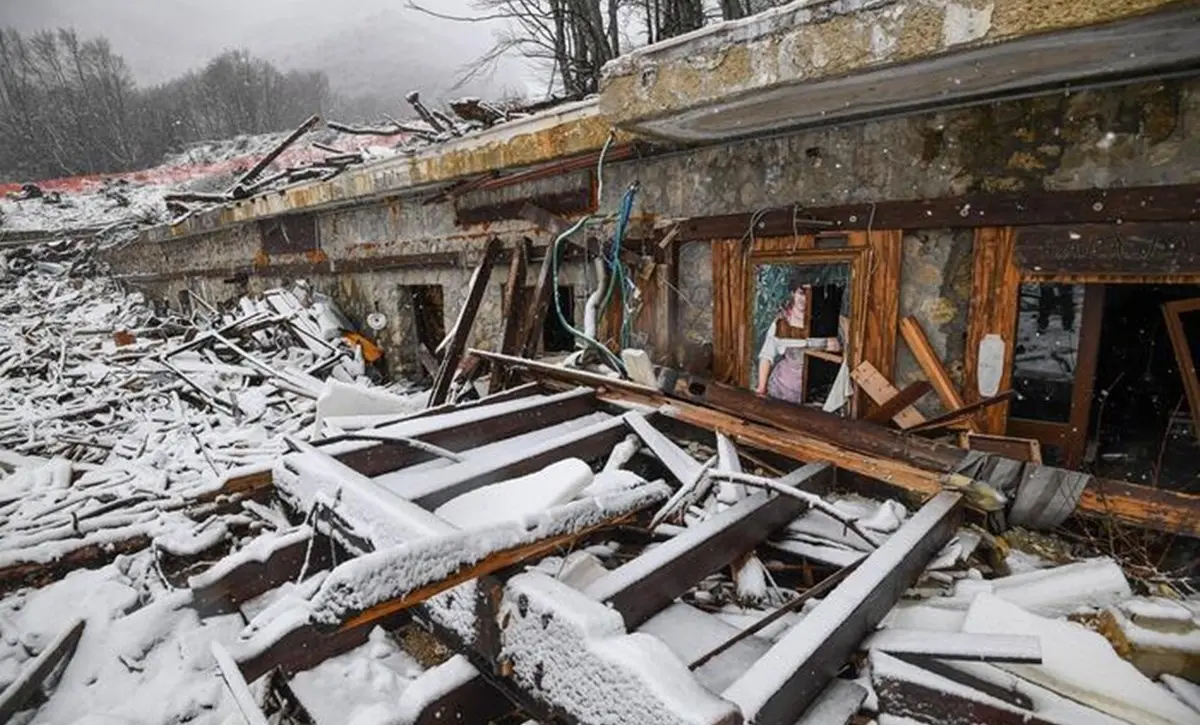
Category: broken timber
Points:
column 915, row 465
column 647, row 584
column 29, row 682
column 462, row 327
column 778, row 688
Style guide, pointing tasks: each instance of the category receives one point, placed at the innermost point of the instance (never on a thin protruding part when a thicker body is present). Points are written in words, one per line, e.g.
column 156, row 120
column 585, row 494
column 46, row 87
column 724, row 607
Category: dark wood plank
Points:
column 375, row 460
column 995, row 286
column 654, row 579
column 1090, row 206
column 1137, row 249
column 466, row 320
column 539, row 307
column 1173, row 312
column 815, row 650
column 514, row 312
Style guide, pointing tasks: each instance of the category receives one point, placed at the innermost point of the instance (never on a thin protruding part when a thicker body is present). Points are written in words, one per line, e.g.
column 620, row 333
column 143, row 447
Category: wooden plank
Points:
column 655, row 578
column 539, row 306
column 462, row 328
column 1018, row 449
column 1089, row 206
column 593, row 442
column 1173, row 312
column 881, row 390
column 643, row 586
column 881, row 303
column 254, row 577
column 375, row 460
column 931, row 365
column 890, row 409
column 514, row 312
column 957, row 645
column 238, row 188
column 781, row 685
column 995, row 286
column 19, row 692
column 945, row 421
column 839, row 702
column 729, row 305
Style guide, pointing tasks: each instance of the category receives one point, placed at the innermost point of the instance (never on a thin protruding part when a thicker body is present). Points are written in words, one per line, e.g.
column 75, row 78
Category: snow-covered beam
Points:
column 645, row 585
column 571, row 652
column 461, row 429
column 267, row 562
column 789, row 678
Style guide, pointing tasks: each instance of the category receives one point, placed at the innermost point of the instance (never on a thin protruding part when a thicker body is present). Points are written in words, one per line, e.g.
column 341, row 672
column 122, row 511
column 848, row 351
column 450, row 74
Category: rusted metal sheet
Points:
column 781, row 685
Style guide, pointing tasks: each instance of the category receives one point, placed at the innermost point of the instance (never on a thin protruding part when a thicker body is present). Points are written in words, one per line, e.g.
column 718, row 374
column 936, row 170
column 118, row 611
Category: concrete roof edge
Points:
column 563, row 130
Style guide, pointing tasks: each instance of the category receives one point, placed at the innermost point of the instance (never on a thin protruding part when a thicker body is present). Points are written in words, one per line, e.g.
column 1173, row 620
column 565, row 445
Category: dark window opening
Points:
column 1140, row 428
column 827, row 303
column 428, row 307
column 555, row 337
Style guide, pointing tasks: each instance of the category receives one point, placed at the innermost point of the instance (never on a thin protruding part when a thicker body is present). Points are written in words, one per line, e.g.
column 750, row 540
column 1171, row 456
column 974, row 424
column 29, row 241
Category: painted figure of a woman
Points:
column 781, row 361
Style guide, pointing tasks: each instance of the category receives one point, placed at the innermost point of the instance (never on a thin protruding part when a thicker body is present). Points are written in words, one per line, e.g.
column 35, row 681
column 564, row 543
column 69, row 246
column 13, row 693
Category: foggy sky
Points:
column 366, row 46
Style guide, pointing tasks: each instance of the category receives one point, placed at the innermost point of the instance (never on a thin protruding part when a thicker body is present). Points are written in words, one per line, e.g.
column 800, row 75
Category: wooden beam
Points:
column 954, row 416
column 901, row 402
column 931, row 365
column 243, row 699
column 644, row 586
column 19, row 692
column 780, row 686
column 1097, row 206
column 253, row 577
column 995, row 288
column 884, row 393
column 458, row 435
column 514, row 311
column 1127, row 503
column 957, row 645
column 238, row 188
column 539, row 306
column 655, row 578
column 462, row 327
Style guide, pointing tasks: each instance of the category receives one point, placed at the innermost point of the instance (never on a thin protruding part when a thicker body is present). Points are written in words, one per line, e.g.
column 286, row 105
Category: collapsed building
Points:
column 940, row 252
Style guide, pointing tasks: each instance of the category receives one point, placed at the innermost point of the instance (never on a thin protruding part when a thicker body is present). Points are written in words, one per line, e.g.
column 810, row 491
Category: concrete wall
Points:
column 1144, row 134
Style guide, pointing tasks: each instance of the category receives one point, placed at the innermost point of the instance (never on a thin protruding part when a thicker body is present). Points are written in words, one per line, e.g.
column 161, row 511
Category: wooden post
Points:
column 466, row 320
column 995, row 288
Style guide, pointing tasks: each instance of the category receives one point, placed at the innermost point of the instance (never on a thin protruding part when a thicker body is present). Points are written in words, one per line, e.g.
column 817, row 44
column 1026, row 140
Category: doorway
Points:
column 1099, row 383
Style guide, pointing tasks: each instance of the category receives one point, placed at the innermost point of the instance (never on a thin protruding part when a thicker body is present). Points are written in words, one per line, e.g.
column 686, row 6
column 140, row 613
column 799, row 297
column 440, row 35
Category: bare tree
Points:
column 573, row 39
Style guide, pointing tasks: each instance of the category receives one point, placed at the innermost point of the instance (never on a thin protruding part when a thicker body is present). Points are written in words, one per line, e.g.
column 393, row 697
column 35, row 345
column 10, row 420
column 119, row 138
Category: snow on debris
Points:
column 111, row 424
column 1080, row 664
column 393, row 573
column 573, row 651
column 144, row 656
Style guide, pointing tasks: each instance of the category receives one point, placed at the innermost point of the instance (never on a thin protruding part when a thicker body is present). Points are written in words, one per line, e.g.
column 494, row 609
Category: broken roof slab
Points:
column 562, row 132
column 822, row 61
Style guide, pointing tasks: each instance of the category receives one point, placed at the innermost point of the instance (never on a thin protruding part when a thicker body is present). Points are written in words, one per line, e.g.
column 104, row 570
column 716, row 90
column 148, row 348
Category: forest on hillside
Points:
column 70, row 106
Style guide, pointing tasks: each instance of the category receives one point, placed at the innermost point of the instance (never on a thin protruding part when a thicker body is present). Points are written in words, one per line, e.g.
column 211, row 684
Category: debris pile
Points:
column 247, row 522
column 118, row 417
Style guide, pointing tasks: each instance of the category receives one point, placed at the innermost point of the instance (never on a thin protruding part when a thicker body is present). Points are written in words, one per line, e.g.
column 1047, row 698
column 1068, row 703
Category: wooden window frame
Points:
column 1173, row 312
